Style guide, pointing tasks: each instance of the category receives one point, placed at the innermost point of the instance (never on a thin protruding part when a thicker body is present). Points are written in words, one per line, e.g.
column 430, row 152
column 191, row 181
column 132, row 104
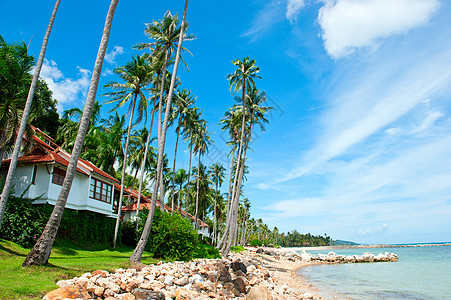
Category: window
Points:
column 33, row 174
column 58, row 176
column 99, row 190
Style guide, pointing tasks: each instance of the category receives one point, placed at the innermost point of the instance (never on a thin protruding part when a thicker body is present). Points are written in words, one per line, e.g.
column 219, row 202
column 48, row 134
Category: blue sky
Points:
column 358, row 143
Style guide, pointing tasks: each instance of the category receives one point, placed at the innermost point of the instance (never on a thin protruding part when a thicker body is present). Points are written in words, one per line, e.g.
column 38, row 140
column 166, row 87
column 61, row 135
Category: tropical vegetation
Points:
column 127, row 144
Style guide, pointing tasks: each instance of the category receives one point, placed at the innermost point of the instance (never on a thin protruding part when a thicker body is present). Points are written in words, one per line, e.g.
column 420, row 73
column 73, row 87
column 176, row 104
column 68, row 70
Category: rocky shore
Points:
column 264, row 274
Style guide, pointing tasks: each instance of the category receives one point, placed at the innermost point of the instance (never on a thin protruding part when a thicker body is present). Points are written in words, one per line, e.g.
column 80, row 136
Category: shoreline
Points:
column 375, row 246
column 248, row 275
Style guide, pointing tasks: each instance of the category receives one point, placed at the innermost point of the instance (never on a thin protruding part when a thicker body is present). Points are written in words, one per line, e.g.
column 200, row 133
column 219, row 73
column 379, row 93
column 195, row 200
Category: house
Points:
column 129, row 211
column 40, row 174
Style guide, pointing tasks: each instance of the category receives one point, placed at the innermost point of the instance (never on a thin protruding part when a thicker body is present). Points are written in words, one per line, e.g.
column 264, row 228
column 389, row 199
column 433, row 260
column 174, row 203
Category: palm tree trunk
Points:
column 196, row 225
column 144, row 162
column 124, row 166
column 189, row 174
column 179, row 200
column 235, row 203
column 161, row 192
column 137, row 254
column 40, row 253
column 163, row 78
column 24, row 121
column 173, row 168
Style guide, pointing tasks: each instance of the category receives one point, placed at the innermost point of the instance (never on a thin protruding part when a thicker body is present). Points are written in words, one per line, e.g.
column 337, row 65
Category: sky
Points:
column 358, row 142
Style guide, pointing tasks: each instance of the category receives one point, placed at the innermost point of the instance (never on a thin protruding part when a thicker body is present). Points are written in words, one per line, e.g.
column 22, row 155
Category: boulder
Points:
column 259, row 293
column 239, row 284
column 236, row 265
column 68, row 292
column 183, row 294
column 223, row 272
column 260, row 250
column 143, row 294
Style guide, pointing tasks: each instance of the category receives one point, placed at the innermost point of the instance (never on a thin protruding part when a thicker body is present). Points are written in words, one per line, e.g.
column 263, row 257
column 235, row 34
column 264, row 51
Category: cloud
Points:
column 378, row 230
column 65, row 90
column 110, row 57
column 351, row 24
column 293, row 8
column 271, row 14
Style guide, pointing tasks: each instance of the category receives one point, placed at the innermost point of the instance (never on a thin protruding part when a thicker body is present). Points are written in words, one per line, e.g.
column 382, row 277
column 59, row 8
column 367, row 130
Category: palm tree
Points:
column 136, row 74
column 243, row 76
column 24, row 120
column 191, row 120
column 179, row 179
column 182, row 102
column 137, row 254
column 201, row 140
column 40, row 253
column 217, row 174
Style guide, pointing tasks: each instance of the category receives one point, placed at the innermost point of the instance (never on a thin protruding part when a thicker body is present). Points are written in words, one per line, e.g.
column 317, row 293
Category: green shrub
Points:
column 23, row 223
column 128, row 233
column 206, row 251
column 255, row 242
column 237, row 249
column 171, row 236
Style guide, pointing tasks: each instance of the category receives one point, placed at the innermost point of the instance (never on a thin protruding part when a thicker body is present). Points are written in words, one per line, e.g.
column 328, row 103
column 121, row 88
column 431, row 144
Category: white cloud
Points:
column 65, row 90
column 293, row 8
column 110, row 57
column 351, row 24
column 378, row 230
column 270, row 15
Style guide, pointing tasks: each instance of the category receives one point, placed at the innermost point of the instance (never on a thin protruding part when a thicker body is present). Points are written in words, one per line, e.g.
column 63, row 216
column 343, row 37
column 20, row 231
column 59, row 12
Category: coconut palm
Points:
column 40, row 253
column 191, row 119
column 244, row 75
column 179, row 179
column 201, row 141
column 182, row 102
column 136, row 256
column 136, row 74
column 24, row 119
column 217, row 174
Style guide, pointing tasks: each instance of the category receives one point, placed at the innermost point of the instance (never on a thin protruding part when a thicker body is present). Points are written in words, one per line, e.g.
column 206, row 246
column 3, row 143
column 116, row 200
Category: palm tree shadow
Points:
column 11, row 251
column 66, row 251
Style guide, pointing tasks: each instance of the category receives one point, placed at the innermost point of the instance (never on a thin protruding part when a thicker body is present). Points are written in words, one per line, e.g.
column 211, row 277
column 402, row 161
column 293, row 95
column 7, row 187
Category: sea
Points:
column 420, row 273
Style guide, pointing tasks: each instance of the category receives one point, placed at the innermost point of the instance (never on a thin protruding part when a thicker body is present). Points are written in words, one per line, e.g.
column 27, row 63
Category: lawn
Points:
column 66, row 261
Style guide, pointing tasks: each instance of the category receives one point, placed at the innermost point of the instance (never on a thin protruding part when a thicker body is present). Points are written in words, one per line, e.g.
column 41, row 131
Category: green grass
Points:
column 66, row 261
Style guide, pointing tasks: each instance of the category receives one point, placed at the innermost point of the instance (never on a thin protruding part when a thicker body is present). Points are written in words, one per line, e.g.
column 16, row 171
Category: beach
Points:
column 254, row 274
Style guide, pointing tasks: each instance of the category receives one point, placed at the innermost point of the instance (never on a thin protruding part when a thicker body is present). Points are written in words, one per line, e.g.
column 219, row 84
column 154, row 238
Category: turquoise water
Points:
column 420, row 273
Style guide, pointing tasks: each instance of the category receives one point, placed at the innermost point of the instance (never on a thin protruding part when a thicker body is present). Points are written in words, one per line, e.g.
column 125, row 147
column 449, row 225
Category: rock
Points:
column 239, row 284
column 259, row 293
column 238, row 266
column 270, row 252
column 223, row 272
column 183, row 294
column 251, row 269
column 307, row 296
column 253, row 281
column 196, row 278
column 64, row 283
column 182, row 281
column 168, row 280
column 98, row 291
column 100, row 272
column 70, row 292
column 127, row 296
column 260, row 250
column 143, row 294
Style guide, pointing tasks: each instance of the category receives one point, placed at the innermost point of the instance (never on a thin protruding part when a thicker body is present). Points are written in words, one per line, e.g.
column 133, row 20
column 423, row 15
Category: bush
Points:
column 24, row 222
column 237, row 249
column 255, row 242
column 128, row 233
column 171, row 236
column 206, row 251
